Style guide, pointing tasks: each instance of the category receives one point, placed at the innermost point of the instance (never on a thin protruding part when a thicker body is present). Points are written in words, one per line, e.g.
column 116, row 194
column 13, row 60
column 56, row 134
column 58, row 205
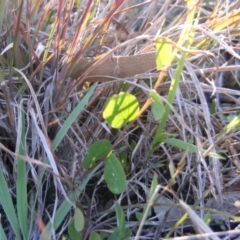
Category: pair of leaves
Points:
column 114, row 174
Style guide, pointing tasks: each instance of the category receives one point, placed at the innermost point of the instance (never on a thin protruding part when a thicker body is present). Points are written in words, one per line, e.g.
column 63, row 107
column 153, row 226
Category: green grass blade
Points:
column 72, row 117
column 171, row 96
column 65, row 207
column 48, row 45
column 186, row 35
column 7, row 205
column 32, row 216
column 234, row 125
column 21, row 183
column 2, row 233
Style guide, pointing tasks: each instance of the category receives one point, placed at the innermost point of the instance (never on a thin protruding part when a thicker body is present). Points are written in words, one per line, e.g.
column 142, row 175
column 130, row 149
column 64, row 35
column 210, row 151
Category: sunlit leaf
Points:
column 121, row 109
column 207, row 218
column 234, row 125
column 163, row 54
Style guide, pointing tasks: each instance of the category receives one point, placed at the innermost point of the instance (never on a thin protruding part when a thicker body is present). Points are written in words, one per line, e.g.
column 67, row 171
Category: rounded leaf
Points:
column 157, row 105
column 164, row 54
column 94, row 236
column 72, row 232
column 114, row 175
column 121, row 109
column 95, row 152
column 78, row 220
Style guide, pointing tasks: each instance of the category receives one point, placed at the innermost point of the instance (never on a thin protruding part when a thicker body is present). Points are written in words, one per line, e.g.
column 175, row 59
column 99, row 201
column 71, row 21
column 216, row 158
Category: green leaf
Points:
column 125, row 235
column 66, row 206
column 213, row 109
column 157, row 105
column 95, row 152
column 72, row 232
column 207, row 218
column 159, row 139
column 2, row 233
column 182, row 145
column 158, row 165
column 138, row 216
column 133, row 145
column 164, row 53
column 94, row 236
column 123, row 156
column 72, row 118
column 117, row 235
column 215, row 155
column 7, row 204
column 120, row 217
column 21, row 183
column 114, row 175
column 121, row 109
column 233, row 125
column 153, row 185
column 124, row 159
column 189, row 147
column 227, row 118
column 78, row 220
column 104, row 235
column 114, row 234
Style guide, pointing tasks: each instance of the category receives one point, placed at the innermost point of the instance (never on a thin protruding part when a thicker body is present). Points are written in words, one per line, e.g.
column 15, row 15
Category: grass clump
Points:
column 119, row 119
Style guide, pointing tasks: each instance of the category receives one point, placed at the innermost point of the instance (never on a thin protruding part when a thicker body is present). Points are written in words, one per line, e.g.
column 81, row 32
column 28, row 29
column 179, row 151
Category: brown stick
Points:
column 120, row 67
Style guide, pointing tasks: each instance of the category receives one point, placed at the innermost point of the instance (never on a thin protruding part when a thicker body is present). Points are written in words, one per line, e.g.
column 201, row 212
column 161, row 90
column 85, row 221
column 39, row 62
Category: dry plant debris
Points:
column 61, row 63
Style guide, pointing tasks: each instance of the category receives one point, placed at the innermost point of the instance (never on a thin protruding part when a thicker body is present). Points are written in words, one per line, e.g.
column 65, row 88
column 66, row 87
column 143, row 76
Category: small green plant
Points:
column 121, row 231
column 114, row 174
column 207, row 218
column 220, row 224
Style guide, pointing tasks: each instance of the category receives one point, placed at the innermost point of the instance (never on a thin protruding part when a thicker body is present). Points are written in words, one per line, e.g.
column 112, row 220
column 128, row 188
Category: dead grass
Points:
column 53, row 52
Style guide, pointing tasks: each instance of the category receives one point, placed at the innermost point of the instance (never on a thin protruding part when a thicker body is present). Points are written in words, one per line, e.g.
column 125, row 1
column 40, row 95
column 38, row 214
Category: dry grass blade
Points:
column 208, row 235
column 25, row 158
column 61, row 62
column 48, row 153
column 198, row 224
